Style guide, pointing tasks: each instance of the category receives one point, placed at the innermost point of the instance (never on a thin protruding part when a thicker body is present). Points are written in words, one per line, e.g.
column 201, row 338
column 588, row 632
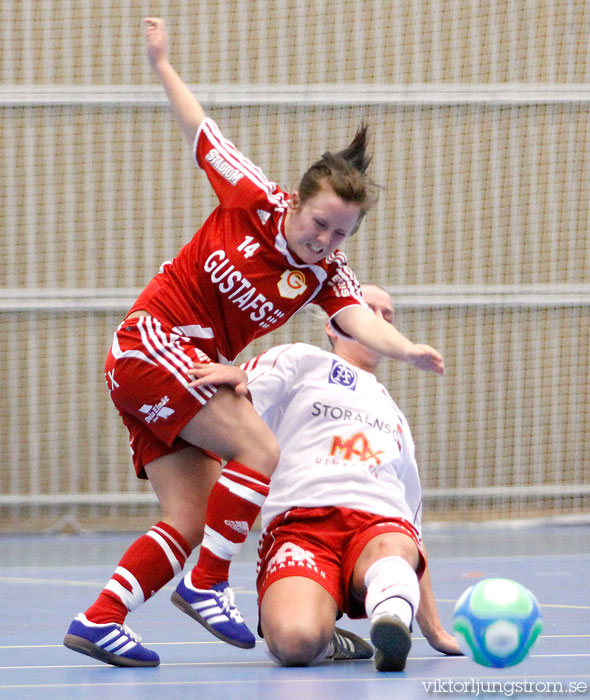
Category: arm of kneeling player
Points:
column 428, row 619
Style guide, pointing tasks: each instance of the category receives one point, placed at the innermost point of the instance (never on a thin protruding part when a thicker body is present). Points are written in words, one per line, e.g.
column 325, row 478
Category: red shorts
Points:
column 324, row 544
column 146, row 375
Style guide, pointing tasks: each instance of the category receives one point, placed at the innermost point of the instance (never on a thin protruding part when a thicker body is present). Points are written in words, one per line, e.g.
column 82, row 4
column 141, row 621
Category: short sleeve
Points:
column 235, row 179
column 340, row 290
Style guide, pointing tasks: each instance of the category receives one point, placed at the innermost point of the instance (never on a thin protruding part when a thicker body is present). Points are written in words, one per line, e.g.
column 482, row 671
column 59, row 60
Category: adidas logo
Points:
column 264, row 216
column 152, row 413
column 240, row 526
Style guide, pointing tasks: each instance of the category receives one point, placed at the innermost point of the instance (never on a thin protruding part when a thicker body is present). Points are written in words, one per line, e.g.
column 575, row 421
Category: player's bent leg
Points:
column 387, row 567
column 228, row 426
column 297, row 618
column 204, row 593
column 392, row 597
column 384, row 545
column 182, row 481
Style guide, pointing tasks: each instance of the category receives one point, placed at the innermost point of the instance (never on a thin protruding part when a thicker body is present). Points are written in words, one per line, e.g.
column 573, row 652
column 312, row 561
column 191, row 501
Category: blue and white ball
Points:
column 496, row 622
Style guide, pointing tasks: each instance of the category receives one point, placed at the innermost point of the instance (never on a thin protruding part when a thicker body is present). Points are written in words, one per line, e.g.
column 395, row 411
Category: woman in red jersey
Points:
column 260, row 256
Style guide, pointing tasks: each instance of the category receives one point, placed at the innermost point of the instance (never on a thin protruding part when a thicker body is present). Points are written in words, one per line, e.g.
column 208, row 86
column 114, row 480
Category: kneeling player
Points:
column 341, row 525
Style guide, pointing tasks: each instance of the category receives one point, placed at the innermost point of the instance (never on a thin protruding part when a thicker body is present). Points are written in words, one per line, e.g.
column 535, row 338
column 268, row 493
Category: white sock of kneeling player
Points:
column 392, row 589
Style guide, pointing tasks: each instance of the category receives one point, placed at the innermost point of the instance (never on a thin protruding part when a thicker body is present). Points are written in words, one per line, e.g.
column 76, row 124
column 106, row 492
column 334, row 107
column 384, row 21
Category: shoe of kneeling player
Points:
column 112, row 643
column 392, row 641
column 348, row 645
column 214, row 608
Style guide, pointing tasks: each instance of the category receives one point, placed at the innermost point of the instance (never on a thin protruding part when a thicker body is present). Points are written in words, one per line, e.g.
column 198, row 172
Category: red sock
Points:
column 151, row 561
column 232, row 508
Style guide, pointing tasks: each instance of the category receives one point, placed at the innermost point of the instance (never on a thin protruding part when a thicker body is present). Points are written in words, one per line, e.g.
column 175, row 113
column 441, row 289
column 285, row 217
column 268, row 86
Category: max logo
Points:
column 343, row 374
column 355, row 446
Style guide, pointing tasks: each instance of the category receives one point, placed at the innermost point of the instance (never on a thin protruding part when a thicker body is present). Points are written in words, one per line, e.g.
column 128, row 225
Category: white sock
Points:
column 392, row 589
column 394, row 606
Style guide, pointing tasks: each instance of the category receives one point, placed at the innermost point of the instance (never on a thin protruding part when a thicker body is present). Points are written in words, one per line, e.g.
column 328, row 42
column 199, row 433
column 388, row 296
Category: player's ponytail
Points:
column 356, row 151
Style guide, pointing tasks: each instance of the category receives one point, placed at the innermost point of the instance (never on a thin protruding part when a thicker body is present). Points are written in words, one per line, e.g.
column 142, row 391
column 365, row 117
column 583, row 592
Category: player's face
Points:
column 318, row 227
column 380, row 304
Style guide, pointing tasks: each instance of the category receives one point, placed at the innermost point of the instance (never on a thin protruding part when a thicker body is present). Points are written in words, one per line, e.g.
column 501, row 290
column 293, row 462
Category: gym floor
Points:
column 47, row 579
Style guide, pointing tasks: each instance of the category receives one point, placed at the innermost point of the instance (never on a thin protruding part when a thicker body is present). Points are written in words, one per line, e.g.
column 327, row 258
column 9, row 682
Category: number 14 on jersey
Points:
column 248, row 247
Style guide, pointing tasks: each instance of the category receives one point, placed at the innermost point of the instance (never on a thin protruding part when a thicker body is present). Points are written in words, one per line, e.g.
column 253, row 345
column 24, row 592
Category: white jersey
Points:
column 344, row 441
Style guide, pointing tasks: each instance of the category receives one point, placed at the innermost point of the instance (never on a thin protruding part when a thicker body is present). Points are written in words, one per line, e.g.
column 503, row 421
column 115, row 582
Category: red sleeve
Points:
column 235, row 179
column 341, row 288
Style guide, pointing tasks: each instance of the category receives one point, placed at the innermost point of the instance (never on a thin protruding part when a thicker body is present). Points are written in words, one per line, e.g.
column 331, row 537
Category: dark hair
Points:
column 345, row 172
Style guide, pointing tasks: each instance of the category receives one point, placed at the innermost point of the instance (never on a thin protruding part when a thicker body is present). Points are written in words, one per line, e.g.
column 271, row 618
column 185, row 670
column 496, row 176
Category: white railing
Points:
column 426, row 296
column 312, row 95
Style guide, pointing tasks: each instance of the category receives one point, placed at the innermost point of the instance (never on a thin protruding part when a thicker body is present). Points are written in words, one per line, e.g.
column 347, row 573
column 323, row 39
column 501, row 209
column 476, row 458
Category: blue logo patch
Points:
column 342, row 374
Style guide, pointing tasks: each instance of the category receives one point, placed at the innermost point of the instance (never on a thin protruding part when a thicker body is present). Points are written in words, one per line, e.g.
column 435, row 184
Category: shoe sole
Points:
column 392, row 642
column 187, row 608
column 363, row 650
column 83, row 646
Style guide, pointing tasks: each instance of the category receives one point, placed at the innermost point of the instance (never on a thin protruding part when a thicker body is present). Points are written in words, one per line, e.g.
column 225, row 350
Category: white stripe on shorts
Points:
column 177, row 350
column 171, row 362
column 194, row 331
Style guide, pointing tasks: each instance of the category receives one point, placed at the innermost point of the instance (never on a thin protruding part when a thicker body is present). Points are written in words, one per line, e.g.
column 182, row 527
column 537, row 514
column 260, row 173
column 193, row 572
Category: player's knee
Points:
column 393, row 544
column 257, row 446
column 263, row 452
column 292, row 641
column 296, row 645
column 273, row 454
column 192, row 530
column 189, row 522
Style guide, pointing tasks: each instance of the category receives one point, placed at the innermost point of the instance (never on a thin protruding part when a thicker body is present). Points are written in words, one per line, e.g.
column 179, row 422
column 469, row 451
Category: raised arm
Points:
column 362, row 325
column 187, row 109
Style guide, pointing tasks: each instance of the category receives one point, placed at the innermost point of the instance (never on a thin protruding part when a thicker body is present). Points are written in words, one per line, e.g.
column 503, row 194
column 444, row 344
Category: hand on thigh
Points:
column 229, row 426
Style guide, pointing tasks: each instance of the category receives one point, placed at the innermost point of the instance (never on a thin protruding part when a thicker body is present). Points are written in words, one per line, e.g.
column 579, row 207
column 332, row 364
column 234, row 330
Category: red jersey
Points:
column 236, row 279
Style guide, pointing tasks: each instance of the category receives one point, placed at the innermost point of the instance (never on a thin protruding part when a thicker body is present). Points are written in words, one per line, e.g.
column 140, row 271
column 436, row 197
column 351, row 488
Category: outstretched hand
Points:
column 444, row 642
column 217, row 374
column 426, row 358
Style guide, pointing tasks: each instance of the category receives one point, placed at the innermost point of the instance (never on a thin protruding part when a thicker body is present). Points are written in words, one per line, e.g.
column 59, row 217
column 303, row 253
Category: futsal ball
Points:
column 496, row 622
